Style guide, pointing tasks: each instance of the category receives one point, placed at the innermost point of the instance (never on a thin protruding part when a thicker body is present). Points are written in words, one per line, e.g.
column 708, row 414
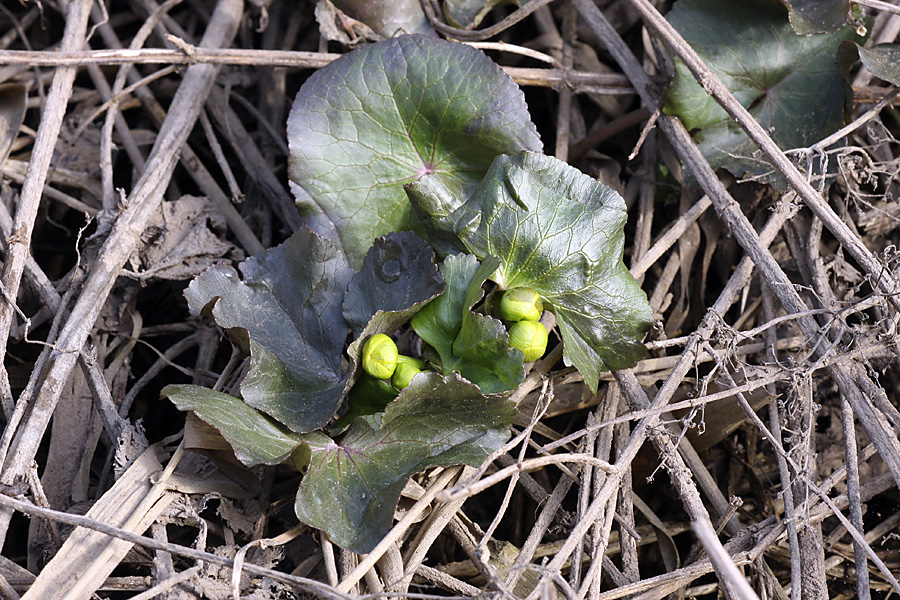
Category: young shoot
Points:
column 407, row 368
column 521, row 304
column 379, row 358
column 530, row 337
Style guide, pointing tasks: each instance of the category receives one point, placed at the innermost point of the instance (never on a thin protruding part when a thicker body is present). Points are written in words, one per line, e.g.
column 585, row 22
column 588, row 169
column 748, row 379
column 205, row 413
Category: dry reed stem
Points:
column 601, row 490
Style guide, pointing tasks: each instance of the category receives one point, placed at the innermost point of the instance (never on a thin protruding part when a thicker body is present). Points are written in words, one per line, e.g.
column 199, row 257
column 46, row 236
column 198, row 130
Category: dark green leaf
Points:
column 385, row 115
column 388, row 18
column 397, row 278
column 474, row 345
column 367, row 397
column 255, row 438
column 468, row 14
column 561, row 233
column 352, row 487
column 398, row 273
column 289, row 304
column 818, row 16
column 883, row 60
column 789, row 83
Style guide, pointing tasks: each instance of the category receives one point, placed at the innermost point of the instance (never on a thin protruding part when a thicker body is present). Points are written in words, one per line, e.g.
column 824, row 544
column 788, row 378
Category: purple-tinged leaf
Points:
column 289, row 304
column 352, row 486
column 398, row 273
column 387, row 114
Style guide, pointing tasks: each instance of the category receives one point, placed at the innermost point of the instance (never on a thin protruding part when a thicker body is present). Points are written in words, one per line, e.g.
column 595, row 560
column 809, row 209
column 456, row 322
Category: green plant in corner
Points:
column 790, row 83
column 417, row 168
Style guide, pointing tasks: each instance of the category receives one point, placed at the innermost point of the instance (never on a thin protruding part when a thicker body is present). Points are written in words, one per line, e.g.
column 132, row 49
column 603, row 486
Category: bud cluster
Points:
column 523, row 306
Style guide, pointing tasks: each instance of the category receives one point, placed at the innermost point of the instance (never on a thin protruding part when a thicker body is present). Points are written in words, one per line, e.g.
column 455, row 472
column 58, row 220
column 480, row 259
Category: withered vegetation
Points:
column 765, row 409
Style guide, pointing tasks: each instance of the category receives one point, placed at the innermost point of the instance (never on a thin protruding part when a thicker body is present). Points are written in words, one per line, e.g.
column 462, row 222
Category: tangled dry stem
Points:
column 803, row 326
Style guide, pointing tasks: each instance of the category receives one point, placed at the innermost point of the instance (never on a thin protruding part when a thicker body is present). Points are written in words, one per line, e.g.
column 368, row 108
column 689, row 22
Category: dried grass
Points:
column 765, row 411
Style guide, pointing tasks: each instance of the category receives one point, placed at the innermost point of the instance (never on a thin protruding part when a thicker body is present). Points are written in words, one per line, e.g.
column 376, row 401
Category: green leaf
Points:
column 397, row 279
column 474, row 345
column 818, row 16
column 398, row 273
column 255, row 438
column 468, row 14
column 385, row 115
column 883, row 60
column 789, row 83
column 289, row 304
column 388, row 18
column 561, row 233
column 367, row 397
column 352, row 487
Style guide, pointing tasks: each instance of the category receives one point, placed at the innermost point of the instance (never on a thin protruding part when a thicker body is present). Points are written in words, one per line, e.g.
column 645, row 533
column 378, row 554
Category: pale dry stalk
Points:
column 139, row 208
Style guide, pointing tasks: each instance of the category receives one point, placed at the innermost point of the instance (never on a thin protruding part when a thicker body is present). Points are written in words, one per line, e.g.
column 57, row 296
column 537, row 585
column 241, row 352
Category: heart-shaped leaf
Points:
column 385, row 115
column 289, row 304
column 255, row 438
column 789, row 83
column 352, row 486
column 474, row 345
column 560, row 232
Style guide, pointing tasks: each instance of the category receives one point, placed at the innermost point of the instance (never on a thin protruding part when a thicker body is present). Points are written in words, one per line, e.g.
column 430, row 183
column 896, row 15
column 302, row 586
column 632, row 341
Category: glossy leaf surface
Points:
column 882, row 60
column 352, row 487
column 385, row 115
column 818, row 16
column 289, row 304
column 789, row 83
column 561, row 233
column 398, row 273
column 255, row 438
column 398, row 277
column 474, row 345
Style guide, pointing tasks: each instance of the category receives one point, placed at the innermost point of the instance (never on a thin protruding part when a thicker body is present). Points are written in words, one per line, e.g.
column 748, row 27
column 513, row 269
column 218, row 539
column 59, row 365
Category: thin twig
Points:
column 514, row 49
column 471, row 489
column 140, row 208
column 411, row 516
column 722, row 560
column 432, row 10
column 879, row 5
column 18, row 245
column 302, row 583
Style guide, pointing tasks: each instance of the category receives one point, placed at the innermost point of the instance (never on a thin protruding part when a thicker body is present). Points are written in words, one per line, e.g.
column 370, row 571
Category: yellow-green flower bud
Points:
column 379, row 358
column 521, row 304
column 407, row 367
column 530, row 337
